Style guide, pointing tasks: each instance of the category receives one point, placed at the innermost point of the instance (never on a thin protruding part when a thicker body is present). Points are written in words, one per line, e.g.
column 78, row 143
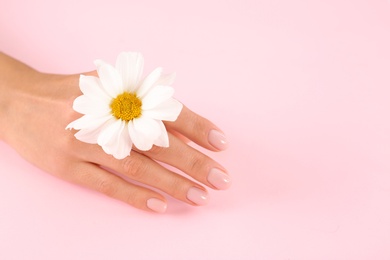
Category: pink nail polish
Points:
column 156, row 205
column 218, row 140
column 198, row 196
column 219, row 179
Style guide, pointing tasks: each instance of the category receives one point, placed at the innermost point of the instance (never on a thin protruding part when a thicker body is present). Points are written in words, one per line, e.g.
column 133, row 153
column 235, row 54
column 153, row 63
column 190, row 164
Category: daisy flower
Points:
column 121, row 110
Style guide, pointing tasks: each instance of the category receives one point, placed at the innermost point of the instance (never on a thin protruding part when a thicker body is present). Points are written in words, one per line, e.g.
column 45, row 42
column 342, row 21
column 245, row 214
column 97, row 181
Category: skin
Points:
column 35, row 111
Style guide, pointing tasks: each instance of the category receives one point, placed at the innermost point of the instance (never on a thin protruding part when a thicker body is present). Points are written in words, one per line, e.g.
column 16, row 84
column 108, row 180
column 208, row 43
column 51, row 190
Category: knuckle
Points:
column 176, row 189
column 196, row 163
column 198, row 125
column 67, row 141
column 132, row 198
column 70, row 144
column 133, row 167
column 155, row 150
column 107, row 187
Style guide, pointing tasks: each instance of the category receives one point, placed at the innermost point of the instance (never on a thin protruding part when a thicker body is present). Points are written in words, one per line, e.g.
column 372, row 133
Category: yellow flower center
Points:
column 126, row 106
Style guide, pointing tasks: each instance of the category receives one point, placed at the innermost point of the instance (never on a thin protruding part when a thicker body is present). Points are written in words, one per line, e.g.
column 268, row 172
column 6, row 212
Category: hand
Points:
column 37, row 107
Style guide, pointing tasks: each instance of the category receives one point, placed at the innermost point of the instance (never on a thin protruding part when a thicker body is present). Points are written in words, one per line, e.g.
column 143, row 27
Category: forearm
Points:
column 13, row 72
column 12, row 75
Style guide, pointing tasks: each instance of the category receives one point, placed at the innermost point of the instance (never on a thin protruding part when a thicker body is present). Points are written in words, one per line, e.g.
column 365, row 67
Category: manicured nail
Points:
column 156, row 205
column 198, row 196
column 218, row 140
column 219, row 179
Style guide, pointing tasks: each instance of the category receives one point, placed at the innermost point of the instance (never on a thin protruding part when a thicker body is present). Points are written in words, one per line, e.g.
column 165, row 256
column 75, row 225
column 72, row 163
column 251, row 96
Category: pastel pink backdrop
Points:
column 300, row 87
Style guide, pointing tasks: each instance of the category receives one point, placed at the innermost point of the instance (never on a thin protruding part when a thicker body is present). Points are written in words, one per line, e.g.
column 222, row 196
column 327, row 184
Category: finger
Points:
column 96, row 178
column 199, row 130
column 142, row 169
column 180, row 136
column 196, row 164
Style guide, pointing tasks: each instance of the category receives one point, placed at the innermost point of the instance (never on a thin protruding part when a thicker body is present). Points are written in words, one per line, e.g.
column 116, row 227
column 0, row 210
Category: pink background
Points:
column 300, row 87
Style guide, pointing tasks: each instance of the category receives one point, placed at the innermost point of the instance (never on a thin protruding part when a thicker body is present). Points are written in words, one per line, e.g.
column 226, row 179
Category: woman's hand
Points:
column 35, row 108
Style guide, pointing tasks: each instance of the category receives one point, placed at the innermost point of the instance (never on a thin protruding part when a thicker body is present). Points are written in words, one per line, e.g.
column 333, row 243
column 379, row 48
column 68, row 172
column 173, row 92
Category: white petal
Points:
column 123, row 145
column 89, row 121
column 90, row 135
column 156, row 96
column 130, row 66
column 92, row 88
column 163, row 139
column 109, row 132
column 119, row 143
column 149, row 82
column 167, row 111
column 98, row 63
column 87, row 106
column 143, row 132
column 166, row 79
column 147, row 126
column 111, row 79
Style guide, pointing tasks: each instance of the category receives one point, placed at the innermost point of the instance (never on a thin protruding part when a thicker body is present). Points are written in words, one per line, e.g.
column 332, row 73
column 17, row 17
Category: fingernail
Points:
column 218, row 140
column 198, row 196
column 219, row 179
column 156, row 205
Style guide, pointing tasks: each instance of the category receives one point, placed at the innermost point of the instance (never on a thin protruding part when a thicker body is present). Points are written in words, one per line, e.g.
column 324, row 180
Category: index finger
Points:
column 199, row 129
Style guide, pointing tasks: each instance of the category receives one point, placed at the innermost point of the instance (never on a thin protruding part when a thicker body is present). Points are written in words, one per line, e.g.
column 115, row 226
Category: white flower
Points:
column 121, row 110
